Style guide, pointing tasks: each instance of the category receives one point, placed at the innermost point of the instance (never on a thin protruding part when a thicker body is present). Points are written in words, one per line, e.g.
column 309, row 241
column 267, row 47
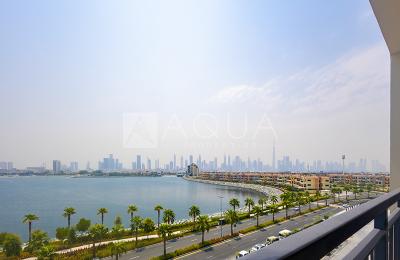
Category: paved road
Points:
column 157, row 249
column 229, row 249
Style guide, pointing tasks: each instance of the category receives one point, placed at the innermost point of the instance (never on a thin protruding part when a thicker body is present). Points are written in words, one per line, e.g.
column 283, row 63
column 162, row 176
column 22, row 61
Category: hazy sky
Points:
column 209, row 77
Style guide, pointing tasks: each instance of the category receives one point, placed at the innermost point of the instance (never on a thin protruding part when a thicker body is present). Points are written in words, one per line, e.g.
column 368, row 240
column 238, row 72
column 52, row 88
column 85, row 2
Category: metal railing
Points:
column 382, row 242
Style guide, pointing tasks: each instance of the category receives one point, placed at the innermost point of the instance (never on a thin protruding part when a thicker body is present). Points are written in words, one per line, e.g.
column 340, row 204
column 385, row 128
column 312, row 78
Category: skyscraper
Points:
column 56, row 166
column 174, row 162
column 138, row 162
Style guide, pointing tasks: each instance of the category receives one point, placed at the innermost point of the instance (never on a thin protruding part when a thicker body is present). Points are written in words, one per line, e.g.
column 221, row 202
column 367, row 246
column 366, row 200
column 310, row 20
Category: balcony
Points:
column 382, row 242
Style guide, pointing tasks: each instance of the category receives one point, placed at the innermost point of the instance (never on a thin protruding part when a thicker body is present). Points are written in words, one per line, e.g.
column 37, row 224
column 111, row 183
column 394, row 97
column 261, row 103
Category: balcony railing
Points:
column 383, row 242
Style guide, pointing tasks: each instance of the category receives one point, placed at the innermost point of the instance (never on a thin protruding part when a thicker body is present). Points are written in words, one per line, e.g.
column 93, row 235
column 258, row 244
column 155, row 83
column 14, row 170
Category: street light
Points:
column 343, row 158
column 220, row 208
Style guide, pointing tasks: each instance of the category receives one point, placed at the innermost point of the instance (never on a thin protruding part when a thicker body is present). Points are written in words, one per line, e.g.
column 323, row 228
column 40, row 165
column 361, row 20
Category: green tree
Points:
column 273, row 209
column 62, row 233
column 194, row 211
column 96, row 233
column 169, row 216
column 118, row 228
column 68, row 212
column 286, row 199
column 204, row 225
column 257, row 211
column 117, row 249
column 232, row 218
column 369, row 189
column 299, row 199
column 263, row 201
column 83, row 225
column 308, row 199
column 46, row 253
column 317, row 196
column 148, row 226
column 249, row 202
column 274, row 199
column 39, row 239
column 136, row 224
column 12, row 245
column 29, row 218
column 158, row 208
column 71, row 235
column 356, row 191
column 163, row 231
column 132, row 209
column 346, row 189
column 234, row 203
column 102, row 212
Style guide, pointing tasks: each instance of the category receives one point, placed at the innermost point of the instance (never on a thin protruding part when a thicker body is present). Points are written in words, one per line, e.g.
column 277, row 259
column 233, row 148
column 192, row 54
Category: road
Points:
column 228, row 250
column 242, row 243
column 157, row 249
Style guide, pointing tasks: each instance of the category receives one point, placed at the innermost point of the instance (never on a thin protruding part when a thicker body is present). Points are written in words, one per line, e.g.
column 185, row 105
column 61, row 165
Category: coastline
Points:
column 265, row 190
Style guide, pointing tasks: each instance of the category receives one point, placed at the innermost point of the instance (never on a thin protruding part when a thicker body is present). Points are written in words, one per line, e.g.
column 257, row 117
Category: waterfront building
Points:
column 56, row 166
column 193, row 170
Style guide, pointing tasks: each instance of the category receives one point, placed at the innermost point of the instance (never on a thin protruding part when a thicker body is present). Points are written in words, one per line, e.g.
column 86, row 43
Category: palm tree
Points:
column 232, row 218
column 29, row 218
column 68, row 212
column 317, row 196
column 308, row 199
column 204, row 225
column 158, row 208
column 299, row 200
column 355, row 190
column 347, row 188
column 273, row 209
column 169, row 216
column 194, row 211
column 117, row 249
column 102, row 211
column 163, row 231
column 249, row 202
column 257, row 211
column 234, row 203
column 286, row 201
column 369, row 189
column 136, row 223
column 96, row 233
column 274, row 199
column 262, row 201
column 132, row 209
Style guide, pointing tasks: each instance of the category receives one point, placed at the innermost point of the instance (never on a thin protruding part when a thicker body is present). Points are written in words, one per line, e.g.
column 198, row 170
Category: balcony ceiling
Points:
column 388, row 14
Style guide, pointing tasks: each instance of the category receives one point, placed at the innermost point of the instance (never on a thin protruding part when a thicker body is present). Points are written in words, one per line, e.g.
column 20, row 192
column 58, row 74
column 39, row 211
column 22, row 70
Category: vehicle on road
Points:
column 296, row 209
column 242, row 253
column 271, row 240
column 256, row 247
column 284, row 233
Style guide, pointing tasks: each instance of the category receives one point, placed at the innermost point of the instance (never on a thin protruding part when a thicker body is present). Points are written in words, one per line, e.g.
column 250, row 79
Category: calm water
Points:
column 48, row 196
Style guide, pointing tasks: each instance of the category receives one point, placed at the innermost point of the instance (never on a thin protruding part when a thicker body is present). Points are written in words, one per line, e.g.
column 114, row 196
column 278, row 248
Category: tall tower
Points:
column 273, row 156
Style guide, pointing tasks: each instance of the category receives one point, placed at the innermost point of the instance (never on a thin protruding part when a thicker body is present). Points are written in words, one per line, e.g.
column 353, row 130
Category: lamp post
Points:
column 220, row 208
column 343, row 158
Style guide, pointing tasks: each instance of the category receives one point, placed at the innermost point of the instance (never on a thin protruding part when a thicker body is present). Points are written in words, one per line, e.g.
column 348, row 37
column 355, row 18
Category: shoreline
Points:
column 265, row 190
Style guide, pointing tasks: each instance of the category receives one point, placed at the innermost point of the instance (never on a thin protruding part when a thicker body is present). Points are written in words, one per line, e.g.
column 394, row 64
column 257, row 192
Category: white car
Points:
column 242, row 253
column 256, row 248
column 285, row 233
column 271, row 240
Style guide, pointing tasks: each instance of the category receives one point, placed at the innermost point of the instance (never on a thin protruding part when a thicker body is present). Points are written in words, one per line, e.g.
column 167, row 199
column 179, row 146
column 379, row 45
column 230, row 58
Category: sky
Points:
column 83, row 79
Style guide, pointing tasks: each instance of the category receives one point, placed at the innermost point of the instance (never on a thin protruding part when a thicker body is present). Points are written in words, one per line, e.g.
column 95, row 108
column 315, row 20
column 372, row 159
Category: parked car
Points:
column 271, row 240
column 242, row 253
column 284, row 233
column 296, row 208
column 256, row 247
